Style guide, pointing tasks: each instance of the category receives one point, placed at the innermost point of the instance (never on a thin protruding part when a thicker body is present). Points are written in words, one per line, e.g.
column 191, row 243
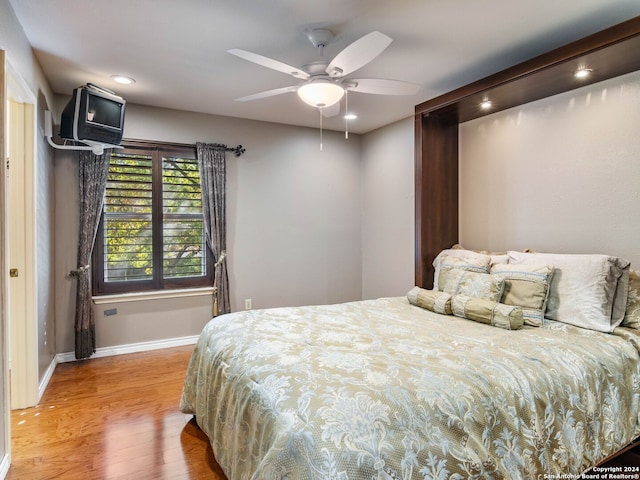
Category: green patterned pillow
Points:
column 462, row 259
column 471, row 284
column 526, row 286
column 632, row 313
column 491, row 313
column 439, row 302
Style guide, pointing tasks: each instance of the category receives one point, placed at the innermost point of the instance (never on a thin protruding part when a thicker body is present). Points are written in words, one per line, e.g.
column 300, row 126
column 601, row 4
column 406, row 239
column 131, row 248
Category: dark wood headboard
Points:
column 609, row 53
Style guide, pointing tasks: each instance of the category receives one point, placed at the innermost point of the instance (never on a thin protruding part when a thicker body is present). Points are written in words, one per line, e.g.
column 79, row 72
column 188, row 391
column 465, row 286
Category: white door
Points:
column 21, row 312
column 19, row 211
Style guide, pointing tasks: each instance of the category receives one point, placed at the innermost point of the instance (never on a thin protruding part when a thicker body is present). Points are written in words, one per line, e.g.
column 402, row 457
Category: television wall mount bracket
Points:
column 96, row 147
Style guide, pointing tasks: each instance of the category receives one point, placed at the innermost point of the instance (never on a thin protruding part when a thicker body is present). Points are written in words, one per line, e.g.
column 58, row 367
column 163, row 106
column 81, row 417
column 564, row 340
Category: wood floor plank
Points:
column 113, row 418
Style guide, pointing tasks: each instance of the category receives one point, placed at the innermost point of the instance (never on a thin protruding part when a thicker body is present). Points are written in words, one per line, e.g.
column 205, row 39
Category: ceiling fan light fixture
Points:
column 321, row 93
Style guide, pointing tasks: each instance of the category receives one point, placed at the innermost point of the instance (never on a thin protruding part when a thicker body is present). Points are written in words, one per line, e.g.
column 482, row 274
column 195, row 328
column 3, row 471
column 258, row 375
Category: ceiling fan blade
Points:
column 267, row 93
column 331, row 111
column 269, row 63
column 381, row 87
column 358, row 54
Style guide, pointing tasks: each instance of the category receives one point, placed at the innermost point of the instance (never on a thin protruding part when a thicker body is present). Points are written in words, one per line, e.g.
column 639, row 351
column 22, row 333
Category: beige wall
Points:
column 388, row 211
column 293, row 224
column 560, row 174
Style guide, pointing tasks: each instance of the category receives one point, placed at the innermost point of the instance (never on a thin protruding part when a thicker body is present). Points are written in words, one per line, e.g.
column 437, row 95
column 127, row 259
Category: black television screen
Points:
column 95, row 115
column 103, row 111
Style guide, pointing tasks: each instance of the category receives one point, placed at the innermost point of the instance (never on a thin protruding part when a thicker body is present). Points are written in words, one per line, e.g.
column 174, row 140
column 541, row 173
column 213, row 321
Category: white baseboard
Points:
column 5, row 463
column 46, row 377
column 130, row 348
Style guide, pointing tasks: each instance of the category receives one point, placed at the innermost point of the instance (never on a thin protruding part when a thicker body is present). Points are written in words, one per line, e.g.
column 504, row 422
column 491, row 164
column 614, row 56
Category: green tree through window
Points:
column 151, row 234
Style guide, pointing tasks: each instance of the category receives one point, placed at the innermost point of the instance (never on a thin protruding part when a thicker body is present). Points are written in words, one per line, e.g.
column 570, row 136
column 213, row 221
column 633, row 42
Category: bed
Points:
column 389, row 389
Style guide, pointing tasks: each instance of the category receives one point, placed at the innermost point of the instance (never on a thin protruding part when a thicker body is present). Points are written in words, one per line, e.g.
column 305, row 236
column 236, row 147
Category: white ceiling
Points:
column 177, row 49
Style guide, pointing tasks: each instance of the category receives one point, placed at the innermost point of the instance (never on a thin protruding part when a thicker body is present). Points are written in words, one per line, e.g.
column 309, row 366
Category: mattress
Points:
column 382, row 389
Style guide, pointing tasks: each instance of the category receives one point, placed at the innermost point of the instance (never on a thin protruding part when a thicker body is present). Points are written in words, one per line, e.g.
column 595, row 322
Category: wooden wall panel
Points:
column 436, row 191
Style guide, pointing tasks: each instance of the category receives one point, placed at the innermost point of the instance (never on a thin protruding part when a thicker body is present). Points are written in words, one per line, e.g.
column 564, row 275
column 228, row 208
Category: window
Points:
column 151, row 235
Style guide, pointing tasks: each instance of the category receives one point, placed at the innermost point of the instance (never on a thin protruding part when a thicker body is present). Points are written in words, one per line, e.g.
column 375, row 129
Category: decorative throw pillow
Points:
column 461, row 259
column 525, row 286
column 491, row 313
column 472, row 284
column 439, row 302
column 632, row 314
column 586, row 290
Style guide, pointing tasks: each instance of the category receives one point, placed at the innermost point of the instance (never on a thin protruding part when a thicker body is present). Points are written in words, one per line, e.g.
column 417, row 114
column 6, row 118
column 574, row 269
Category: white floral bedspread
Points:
column 382, row 389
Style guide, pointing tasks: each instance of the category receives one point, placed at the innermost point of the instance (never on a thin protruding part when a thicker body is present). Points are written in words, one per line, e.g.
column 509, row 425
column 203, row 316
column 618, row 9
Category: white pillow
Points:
column 588, row 291
column 496, row 257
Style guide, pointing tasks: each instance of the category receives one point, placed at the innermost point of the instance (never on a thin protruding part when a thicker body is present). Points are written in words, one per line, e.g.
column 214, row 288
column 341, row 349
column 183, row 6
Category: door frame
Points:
column 5, row 400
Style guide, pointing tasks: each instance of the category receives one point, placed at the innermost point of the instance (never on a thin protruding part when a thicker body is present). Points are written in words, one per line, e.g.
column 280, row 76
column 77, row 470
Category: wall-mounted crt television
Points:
column 93, row 114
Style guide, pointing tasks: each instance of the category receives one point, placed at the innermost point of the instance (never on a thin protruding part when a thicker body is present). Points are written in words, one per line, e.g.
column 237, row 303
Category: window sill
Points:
column 153, row 295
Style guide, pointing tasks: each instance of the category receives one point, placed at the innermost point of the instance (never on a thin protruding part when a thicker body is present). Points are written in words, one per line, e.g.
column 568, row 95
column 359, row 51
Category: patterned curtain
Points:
column 213, row 180
column 93, row 171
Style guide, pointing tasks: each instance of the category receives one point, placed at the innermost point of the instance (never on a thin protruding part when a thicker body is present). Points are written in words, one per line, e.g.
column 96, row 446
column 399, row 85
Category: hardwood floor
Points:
column 117, row 418
column 113, row 418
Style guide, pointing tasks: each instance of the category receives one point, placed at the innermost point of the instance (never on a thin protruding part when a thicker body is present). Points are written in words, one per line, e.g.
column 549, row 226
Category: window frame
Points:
column 157, row 150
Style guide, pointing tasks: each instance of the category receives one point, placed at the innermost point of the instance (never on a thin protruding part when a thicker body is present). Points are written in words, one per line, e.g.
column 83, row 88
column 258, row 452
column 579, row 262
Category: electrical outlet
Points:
column 247, row 304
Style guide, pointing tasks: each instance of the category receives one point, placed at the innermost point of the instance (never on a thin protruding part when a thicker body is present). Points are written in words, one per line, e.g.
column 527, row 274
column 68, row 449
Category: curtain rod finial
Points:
column 239, row 150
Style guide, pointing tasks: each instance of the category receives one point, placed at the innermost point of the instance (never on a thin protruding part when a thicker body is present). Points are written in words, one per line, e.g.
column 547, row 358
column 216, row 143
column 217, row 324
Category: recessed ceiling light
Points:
column 123, row 79
column 486, row 104
column 350, row 116
column 582, row 72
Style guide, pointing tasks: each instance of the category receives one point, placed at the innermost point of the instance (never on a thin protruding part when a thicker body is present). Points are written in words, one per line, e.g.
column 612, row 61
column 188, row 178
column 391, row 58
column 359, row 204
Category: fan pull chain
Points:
column 320, row 111
column 346, row 114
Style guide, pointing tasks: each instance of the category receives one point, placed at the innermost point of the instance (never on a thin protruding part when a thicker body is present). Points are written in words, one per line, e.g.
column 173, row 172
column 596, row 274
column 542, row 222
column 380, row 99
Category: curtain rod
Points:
column 237, row 151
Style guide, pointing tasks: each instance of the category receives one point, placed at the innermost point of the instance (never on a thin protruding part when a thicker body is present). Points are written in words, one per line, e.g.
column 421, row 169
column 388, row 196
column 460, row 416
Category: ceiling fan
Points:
column 324, row 84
